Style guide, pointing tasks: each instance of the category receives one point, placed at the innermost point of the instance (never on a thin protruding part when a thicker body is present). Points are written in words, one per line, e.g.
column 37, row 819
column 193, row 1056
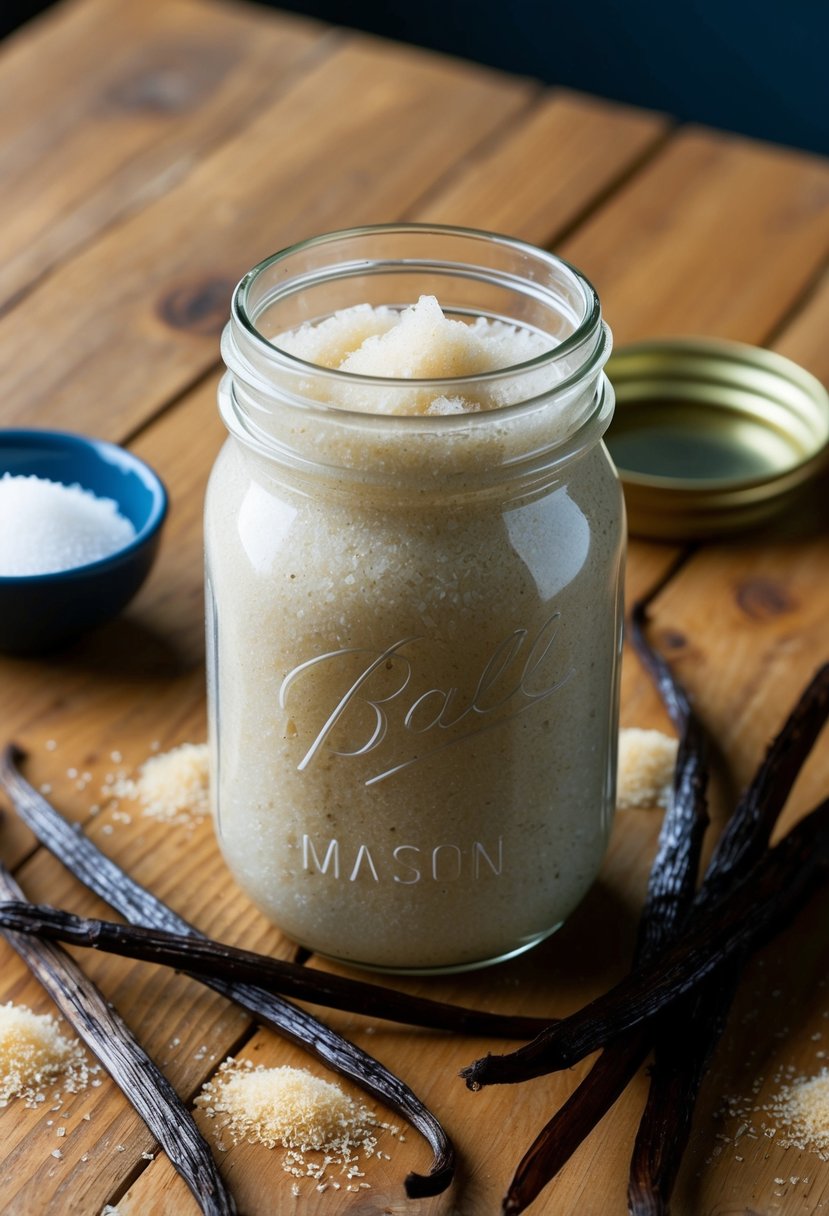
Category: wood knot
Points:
column 672, row 639
column 173, row 79
column 199, row 308
column 159, row 92
column 762, row 599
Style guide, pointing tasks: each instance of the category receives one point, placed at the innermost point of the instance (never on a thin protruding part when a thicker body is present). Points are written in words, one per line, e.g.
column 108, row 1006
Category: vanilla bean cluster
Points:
column 691, row 948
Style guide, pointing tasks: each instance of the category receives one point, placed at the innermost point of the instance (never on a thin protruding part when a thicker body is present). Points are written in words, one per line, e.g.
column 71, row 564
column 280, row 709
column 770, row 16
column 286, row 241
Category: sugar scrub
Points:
column 46, row 526
column 414, row 608
column 417, row 343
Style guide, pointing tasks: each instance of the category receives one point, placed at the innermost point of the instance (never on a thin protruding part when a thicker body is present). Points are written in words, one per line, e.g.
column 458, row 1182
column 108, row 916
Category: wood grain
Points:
column 356, row 140
column 107, row 106
column 558, row 161
column 718, row 235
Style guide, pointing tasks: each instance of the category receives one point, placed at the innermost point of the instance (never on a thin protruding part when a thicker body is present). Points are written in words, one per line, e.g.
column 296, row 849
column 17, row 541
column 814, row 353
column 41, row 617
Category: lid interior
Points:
column 703, row 418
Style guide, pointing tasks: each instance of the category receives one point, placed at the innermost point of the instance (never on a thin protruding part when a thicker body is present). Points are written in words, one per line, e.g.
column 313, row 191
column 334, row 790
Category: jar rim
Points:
column 590, row 325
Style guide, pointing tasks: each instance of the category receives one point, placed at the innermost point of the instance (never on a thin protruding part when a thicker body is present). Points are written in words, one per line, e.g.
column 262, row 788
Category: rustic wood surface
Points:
column 152, row 151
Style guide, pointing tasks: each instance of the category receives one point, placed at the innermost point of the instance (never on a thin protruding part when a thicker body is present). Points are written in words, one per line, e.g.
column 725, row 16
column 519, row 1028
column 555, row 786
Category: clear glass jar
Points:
column 414, row 622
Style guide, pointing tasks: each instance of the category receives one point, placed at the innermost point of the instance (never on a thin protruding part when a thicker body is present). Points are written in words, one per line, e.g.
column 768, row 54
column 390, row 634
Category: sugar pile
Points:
column 173, row 787
column 292, row 1108
column 417, row 343
column 803, row 1109
column 46, row 526
column 34, row 1055
column 647, row 759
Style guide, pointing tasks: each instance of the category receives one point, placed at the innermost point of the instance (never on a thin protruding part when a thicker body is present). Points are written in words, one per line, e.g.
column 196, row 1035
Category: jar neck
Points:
column 547, row 410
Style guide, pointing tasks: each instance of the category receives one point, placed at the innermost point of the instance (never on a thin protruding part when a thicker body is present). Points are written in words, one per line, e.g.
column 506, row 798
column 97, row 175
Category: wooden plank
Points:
column 106, row 106
column 717, row 235
column 556, row 163
column 357, row 140
column 804, row 338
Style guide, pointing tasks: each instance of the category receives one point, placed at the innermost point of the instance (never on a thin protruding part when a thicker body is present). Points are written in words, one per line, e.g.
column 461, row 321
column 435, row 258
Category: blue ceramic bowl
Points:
column 39, row 611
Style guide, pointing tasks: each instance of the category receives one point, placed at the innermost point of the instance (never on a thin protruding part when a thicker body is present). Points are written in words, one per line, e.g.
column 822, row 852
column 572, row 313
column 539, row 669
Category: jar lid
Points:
column 710, row 436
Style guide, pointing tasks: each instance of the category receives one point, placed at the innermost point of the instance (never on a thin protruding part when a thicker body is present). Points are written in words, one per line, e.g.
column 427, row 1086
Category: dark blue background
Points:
column 761, row 68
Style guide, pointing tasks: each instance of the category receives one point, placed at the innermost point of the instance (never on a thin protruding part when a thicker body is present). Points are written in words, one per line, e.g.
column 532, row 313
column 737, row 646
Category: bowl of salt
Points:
column 80, row 524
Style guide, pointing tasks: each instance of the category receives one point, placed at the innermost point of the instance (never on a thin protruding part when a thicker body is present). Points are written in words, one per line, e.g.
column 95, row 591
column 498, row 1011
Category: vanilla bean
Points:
column 755, row 909
column 101, row 875
column 136, row 1075
column 685, row 1043
column 211, row 959
column 749, row 829
column 683, row 1047
column 671, row 692
column 739, row 848
column 574, row 1121
column 669, row 894
column 673, row 874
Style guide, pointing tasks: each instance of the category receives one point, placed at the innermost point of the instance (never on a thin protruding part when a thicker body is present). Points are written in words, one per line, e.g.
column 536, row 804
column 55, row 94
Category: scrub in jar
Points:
column 414, row 561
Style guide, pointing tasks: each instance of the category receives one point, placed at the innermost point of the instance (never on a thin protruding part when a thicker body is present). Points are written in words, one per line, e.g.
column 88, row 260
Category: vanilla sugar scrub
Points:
column 416, row 343
column 414, row 545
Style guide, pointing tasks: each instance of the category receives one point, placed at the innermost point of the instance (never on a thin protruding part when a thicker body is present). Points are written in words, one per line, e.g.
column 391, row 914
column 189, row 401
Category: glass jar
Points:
column 414, row 622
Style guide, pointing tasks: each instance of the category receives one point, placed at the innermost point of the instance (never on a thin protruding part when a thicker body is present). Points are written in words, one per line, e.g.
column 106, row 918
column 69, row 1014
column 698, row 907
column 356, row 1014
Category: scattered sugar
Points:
column 173, row 787
column 293, row 1109
column 647, row 759
column 46, row 526
column 802, row 1107
column 34, row 1054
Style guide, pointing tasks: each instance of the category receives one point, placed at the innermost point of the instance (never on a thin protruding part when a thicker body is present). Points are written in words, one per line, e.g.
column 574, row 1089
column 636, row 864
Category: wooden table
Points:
column 154, row 151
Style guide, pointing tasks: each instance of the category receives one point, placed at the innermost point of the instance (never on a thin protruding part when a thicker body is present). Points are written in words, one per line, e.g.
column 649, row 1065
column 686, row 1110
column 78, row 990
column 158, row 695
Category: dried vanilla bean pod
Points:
column 212, row 959
column 673, row 874
column 136, row 1075
column 137, row 905
column 686, row 1041
column 684, row 1044
column 669, row 894
column 789, row 751
column 754, row 910
column 575, row 1120
column 747, row 832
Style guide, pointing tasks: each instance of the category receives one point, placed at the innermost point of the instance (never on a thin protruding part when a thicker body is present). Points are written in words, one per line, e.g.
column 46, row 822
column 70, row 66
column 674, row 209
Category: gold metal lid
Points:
column 712, row 436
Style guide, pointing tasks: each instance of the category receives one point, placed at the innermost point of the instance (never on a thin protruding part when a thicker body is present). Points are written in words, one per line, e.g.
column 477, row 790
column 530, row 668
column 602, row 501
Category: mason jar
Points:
column 414, row 620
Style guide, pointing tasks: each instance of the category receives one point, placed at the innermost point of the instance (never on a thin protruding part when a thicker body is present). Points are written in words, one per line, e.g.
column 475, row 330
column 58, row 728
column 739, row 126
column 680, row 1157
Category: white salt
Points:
column 46, row 526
